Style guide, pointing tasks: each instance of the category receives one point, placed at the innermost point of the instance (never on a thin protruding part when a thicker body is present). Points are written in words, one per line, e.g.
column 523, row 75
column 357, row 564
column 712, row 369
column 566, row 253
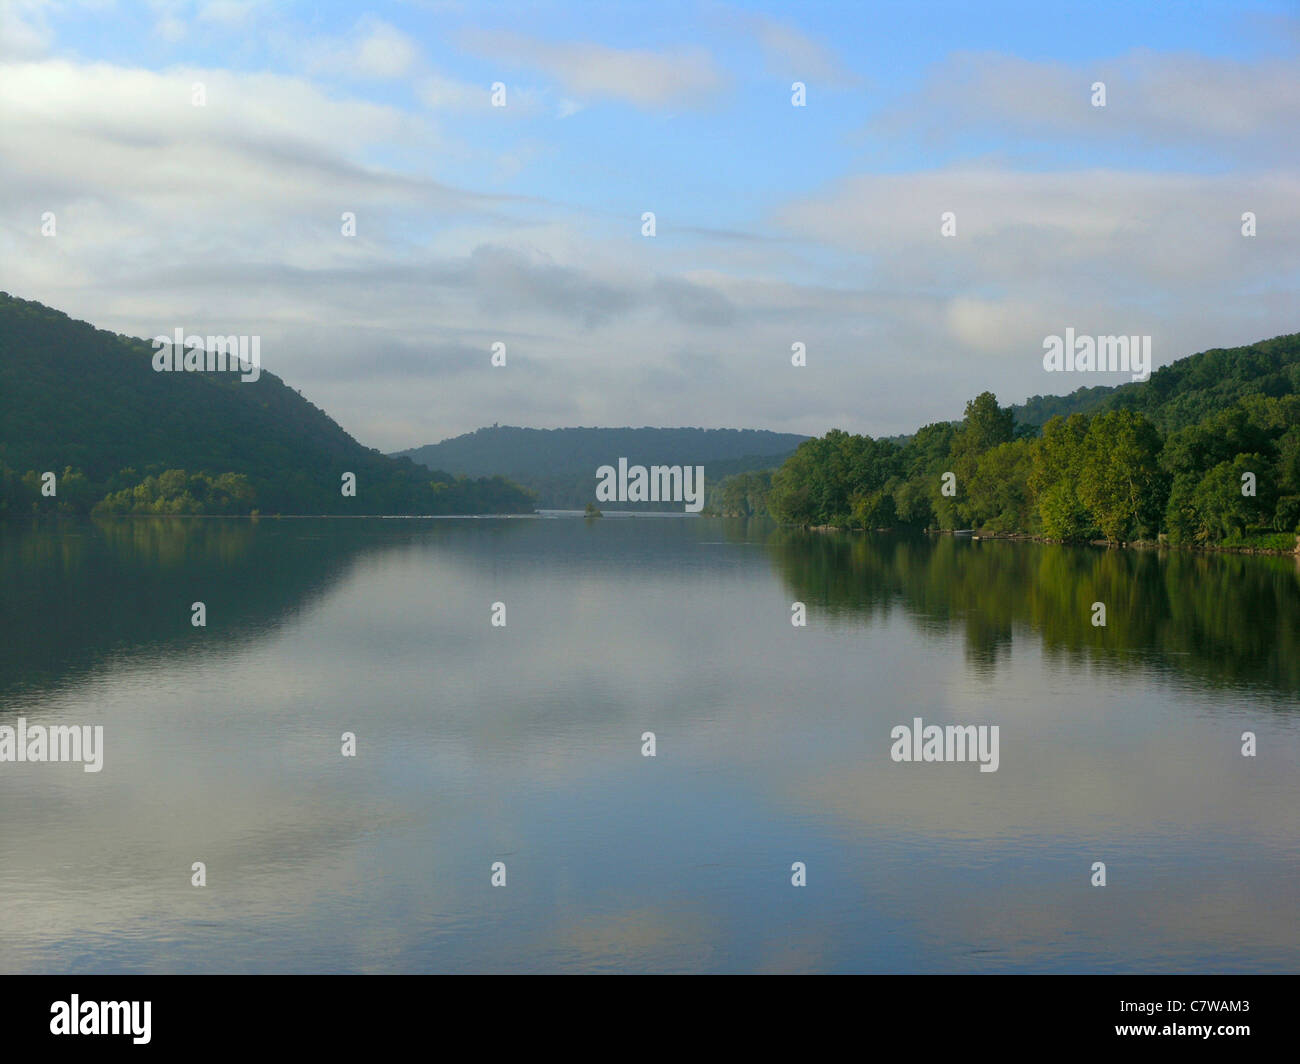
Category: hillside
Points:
column 1207, row 451
column 1185, row 391
column 560, row 464
column 1038, row 410
column 82, row 400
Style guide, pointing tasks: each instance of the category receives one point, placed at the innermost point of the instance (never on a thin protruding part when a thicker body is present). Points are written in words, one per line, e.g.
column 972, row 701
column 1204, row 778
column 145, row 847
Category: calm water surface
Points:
column 522, row 744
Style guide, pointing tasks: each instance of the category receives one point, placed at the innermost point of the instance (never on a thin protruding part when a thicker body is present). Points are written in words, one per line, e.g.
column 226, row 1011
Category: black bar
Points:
column 614, row 1016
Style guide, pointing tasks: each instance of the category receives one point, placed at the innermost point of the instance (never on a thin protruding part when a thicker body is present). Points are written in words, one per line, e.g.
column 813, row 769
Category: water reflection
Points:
column 523, row 744
column 1227, row 619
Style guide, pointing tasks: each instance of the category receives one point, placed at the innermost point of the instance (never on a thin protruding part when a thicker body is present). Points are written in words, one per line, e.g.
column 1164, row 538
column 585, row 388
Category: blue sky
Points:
column 775, row 223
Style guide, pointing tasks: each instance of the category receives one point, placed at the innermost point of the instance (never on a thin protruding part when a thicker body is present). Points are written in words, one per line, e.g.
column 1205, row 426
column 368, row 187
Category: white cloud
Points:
column 170, row 29
column 441, row 93
column 23, row 30
column 226, row 219
column 1204, row 104
column 374, row 49
column 646, row 79
column 227, row 12
column 790, row 53
column 1077, row 231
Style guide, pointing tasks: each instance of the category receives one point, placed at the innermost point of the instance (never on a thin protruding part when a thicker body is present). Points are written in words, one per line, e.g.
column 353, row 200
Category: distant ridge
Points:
column 560, row 464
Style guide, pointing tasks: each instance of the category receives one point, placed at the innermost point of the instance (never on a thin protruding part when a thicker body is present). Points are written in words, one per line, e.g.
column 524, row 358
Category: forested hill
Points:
column 560, row 464
column 1206, row 451
column 1186, row 392
column 1038, row 410
column 1183, row 392
column 541, row 452
column 87, row 405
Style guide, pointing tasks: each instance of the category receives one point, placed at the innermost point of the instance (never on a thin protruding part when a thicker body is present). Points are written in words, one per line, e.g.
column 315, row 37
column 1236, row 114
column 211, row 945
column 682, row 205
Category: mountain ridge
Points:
column 560, row 464
column 88, row 406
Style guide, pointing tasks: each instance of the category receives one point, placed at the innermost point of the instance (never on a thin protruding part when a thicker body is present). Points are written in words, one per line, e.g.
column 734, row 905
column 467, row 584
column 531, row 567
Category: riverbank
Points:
column 1140, row 544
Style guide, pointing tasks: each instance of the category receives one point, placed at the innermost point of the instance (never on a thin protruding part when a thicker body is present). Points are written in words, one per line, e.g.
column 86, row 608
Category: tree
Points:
column 873, row 510
column 1221, row 509
column 1054, row 478
column 985, row 426
column 1120, row 480
column 998, row 495
column 818, row 484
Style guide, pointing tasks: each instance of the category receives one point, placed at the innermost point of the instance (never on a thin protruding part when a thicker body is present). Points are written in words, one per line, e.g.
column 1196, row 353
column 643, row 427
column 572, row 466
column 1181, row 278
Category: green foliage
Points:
column 1120, row 481
column 875, row 509
column 176, row 492
column 912, row 502
column 999, row 498
column 1054, row 478
column 1188, row 391
column 923, row 461
column 1038, row 410
column 820, row 481
column 1262, row 541
column 89, row 402
column 73, row 493
column 1111, row 474
column 1222, row 511
column 742, row 495
column 1286, row 517
column 984, row 426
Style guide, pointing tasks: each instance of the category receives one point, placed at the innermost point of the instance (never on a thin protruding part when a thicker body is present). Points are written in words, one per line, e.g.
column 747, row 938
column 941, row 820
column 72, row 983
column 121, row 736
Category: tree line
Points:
column 178, row 492
column 1231, row 478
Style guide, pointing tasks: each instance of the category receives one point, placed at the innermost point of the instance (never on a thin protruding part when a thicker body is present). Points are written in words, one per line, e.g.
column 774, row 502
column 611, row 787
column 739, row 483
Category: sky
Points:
column 774, row 224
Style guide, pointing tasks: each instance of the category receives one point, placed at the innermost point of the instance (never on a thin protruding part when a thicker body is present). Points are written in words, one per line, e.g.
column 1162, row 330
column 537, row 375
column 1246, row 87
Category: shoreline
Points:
column 1137, row 544
column 973, row 534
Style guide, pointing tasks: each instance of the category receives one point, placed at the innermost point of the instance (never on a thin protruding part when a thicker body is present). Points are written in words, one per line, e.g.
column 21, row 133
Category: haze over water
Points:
column 523, row 744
